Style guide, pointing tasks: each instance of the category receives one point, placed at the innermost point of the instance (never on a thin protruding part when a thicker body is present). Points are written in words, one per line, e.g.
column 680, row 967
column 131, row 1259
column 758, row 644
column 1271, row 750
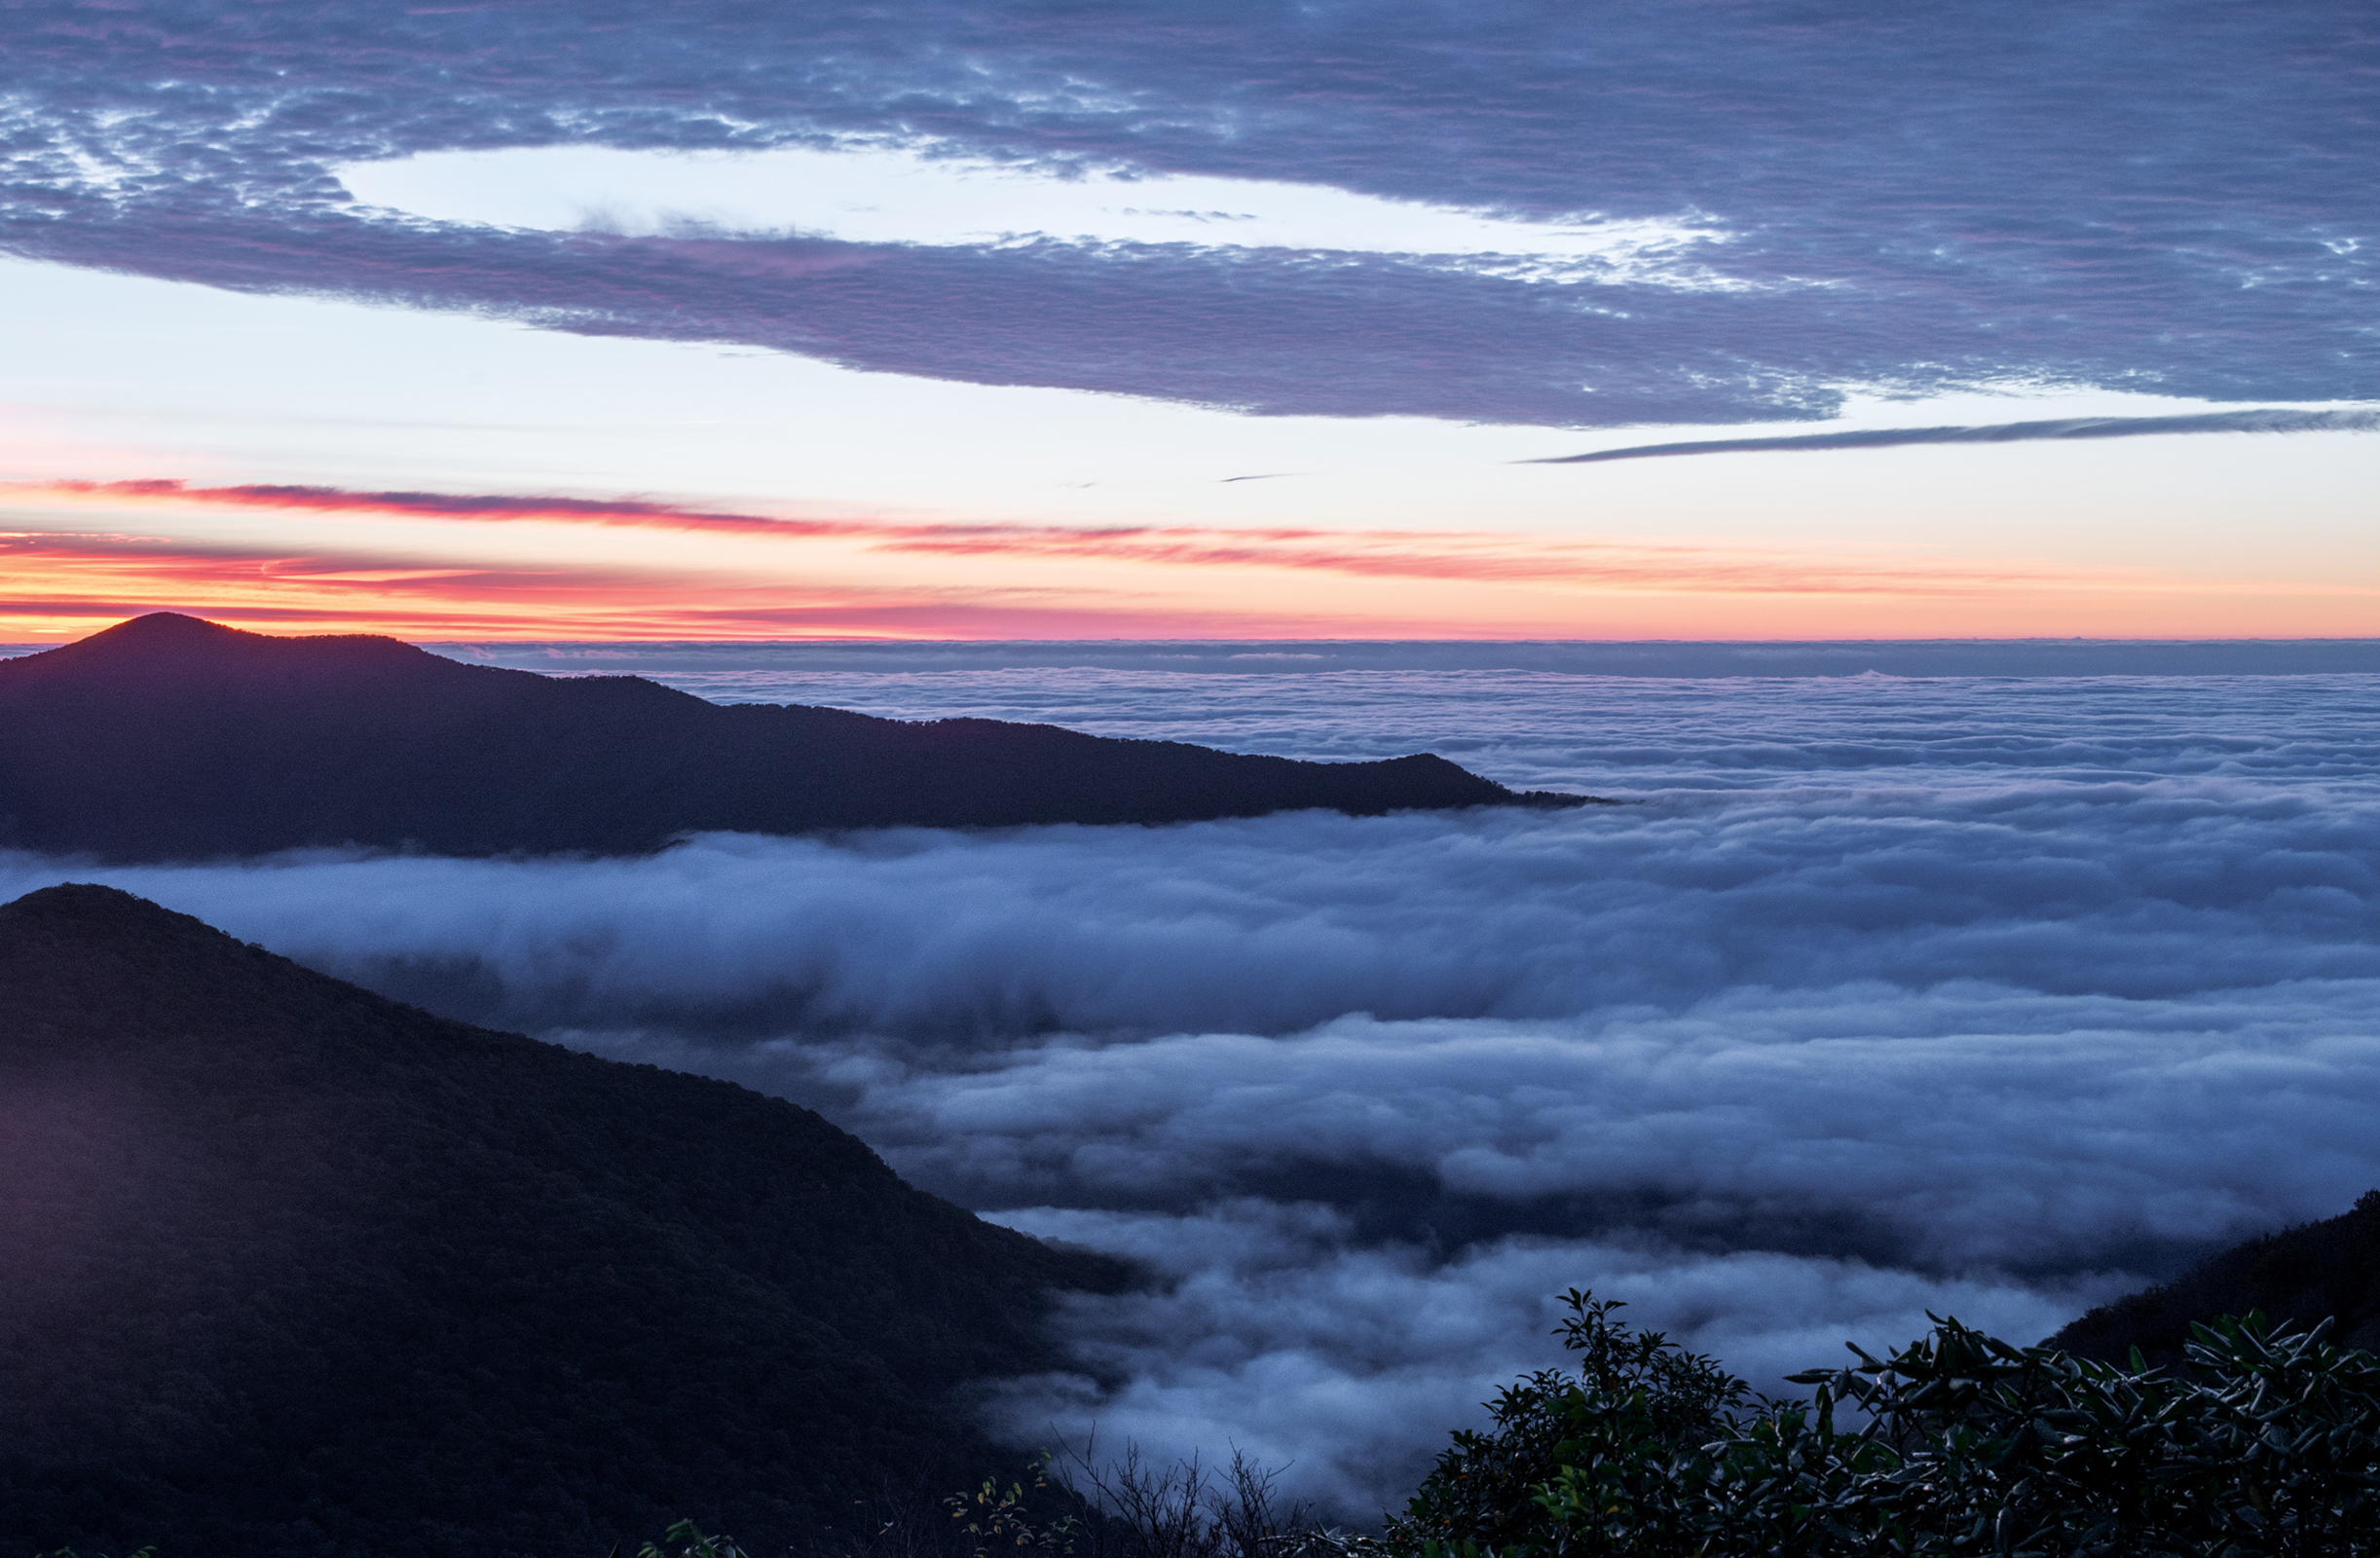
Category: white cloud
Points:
column 1347, row 1365
column 2008, row 1020
column 900, row 194
column 1893, row 994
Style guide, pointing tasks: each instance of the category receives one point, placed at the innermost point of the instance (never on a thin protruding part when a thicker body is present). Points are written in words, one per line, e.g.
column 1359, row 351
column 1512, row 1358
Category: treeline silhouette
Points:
column 2263, row 1442
column 2266, row 1444
column 166, row 738
column 2302, row 1277
column 2231, row 1413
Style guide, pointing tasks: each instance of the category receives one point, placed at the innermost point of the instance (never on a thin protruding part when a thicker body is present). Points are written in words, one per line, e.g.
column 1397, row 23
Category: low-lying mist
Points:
column 1999, row 1026
column 1290, row 1337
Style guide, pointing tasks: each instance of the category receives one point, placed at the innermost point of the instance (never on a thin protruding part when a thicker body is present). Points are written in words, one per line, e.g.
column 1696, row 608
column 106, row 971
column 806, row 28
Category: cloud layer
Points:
column 2127, row 891
column 1994, row 1029
column 2159, row 195
column 2264, row 420
column 1166, row 681
column 1277, row 1310
column 1993, row 994
column 1485, row 557
column 424, row 563
column 1617, row 719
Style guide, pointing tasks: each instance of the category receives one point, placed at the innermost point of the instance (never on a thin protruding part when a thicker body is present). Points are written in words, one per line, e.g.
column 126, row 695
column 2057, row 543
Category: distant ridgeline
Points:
column 169, row 738
column 290, row 1269
column 2325, row 1271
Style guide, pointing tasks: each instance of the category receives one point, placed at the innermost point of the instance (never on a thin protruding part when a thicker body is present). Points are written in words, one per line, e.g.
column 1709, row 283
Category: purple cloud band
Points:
column 2262, row 420
column 2167, row 195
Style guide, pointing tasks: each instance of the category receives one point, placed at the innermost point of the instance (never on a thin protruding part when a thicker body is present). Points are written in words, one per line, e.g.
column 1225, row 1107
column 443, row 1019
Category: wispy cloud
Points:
column 2260, row 420
column 69, row 583
column 1487, row 558
column 447, row 566
column 315, row 499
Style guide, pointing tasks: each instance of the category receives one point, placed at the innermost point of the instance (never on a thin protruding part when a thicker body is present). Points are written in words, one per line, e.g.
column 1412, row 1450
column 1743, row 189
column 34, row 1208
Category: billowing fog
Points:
column 1880, row 995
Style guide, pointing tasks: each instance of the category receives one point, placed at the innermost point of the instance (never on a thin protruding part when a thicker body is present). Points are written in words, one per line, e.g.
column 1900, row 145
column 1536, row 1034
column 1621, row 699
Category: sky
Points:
column 567, row 320
column 1264, row 341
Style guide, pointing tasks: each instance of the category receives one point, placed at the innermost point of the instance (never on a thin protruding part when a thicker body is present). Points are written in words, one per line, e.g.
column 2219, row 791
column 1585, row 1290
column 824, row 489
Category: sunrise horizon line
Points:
column 243, row 621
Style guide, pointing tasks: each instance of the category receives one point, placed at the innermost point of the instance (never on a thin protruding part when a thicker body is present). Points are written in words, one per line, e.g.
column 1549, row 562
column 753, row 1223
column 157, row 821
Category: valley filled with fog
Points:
column 1988, row 995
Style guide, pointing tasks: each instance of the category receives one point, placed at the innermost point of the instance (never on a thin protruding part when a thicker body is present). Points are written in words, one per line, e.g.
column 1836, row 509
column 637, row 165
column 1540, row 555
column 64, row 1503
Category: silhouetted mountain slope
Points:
column 166, row 737
column 2305, row 1274
column 287, row 1268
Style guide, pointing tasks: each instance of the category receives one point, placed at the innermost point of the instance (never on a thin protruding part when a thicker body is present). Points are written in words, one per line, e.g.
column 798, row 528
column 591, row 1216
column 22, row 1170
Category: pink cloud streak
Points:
column 1437, row 556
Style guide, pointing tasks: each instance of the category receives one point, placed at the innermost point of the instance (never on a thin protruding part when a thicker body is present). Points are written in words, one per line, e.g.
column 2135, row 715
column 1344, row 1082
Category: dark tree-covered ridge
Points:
column 166, row 738
column 2303, row 1276
column 288, row 1268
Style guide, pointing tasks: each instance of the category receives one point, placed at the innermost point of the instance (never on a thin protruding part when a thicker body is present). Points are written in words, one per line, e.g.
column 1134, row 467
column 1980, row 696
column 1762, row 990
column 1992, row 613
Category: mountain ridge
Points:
column 2301, row 1275
column 288, row 1267
column 166, row 737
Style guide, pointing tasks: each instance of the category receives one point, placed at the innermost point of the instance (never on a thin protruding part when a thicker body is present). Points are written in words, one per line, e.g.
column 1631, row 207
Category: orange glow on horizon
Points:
column 494, row 567
column 1438, row 555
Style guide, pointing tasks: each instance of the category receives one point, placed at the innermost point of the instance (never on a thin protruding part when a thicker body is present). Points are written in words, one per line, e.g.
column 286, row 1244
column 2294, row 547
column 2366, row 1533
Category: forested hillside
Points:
column 2301, row 1276
column 287, row 1268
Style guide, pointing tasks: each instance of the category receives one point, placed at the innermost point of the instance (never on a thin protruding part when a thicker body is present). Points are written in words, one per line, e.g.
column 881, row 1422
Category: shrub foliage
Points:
column 2266, row 1443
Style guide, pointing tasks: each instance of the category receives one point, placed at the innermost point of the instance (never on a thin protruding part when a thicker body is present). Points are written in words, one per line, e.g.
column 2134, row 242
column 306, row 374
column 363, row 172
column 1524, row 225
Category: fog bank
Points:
column 1880, row 997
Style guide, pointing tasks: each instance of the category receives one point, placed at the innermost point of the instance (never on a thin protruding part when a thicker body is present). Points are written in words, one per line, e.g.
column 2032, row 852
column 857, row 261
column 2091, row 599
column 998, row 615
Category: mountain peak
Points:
column 99, row 918
column 169, row 738
column 170, row 643
column 171, row 633
column 166, row 627
column 86, row 907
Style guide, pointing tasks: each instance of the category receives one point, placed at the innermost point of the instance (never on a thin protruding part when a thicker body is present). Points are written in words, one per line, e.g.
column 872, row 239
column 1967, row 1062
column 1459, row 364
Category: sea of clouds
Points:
column 1879, row 994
